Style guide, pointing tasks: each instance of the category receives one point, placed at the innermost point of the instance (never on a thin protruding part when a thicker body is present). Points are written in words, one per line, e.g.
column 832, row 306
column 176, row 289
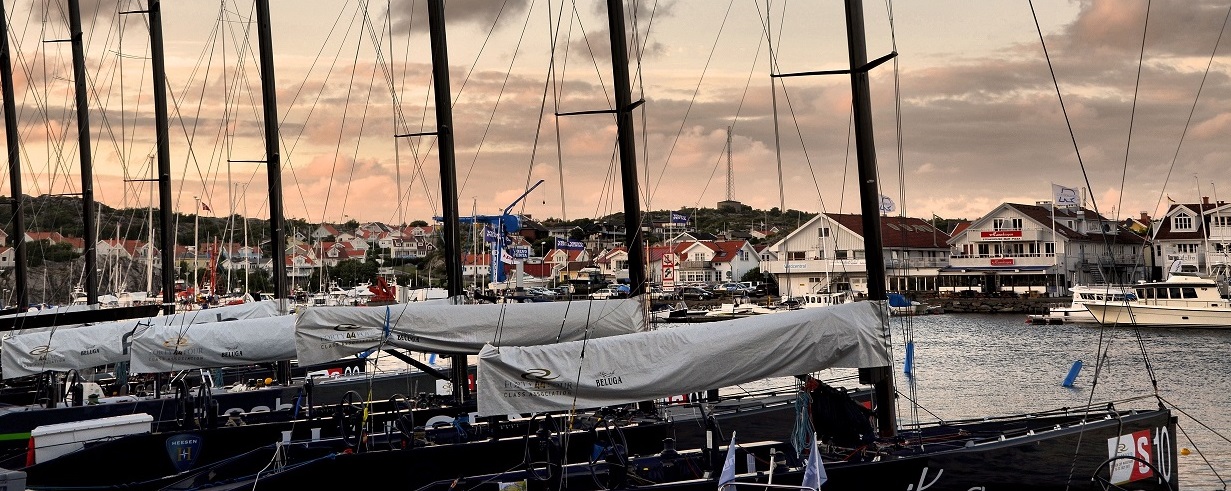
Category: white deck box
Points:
column 51, row 441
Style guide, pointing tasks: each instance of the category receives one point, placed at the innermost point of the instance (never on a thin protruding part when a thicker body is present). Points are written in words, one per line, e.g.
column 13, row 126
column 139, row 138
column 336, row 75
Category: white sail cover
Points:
column 680, row 360
column 167, row 348
column 79, row 347
column 324, row 334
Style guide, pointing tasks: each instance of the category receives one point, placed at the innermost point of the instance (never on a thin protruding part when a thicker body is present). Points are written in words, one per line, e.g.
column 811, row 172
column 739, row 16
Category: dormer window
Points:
column 1183, row 221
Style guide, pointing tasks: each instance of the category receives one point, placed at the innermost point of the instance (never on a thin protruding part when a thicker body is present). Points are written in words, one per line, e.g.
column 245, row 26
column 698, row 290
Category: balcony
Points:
column 1010, row 235
column 988, row 260
column 815, row 266
column 695, row 265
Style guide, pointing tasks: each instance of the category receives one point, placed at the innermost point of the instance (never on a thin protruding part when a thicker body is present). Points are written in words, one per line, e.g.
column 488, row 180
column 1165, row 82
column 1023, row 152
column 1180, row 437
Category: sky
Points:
column 974, row 110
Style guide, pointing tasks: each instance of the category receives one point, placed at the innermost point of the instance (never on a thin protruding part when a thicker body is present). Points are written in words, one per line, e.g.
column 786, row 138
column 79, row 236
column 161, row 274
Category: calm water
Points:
column 974, row 365
column 977, row 365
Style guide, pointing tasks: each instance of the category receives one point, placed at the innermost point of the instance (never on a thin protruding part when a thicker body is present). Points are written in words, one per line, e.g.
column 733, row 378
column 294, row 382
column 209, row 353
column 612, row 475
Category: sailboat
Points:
column 1085, row 448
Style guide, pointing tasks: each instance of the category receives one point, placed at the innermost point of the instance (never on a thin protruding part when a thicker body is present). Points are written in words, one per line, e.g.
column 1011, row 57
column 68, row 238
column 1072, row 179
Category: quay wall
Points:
column 997, row 305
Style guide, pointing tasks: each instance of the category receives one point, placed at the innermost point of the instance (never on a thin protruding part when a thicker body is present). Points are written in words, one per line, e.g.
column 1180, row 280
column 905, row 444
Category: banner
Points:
column 678, row 218
column 489, row 234
column 1064, row 196
column 569, row 245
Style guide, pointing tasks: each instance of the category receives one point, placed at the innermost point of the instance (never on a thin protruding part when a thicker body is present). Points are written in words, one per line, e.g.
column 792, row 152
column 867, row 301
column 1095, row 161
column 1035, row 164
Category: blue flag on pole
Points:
column 678, row 218
column 814, row 471
column 728, row 465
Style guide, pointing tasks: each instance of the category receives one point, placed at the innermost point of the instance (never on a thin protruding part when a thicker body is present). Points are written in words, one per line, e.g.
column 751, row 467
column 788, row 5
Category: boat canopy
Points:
column 80, row 347
column 324, row 334
column 681, row 360
column 166, row 348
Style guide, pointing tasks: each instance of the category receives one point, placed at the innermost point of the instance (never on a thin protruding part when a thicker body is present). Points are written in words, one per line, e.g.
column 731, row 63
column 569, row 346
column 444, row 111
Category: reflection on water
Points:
column 977, row 365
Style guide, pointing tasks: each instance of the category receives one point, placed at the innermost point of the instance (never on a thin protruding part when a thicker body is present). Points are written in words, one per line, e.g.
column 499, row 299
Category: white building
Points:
column 1198, row 244
column 826, row 255
column 1022, row 249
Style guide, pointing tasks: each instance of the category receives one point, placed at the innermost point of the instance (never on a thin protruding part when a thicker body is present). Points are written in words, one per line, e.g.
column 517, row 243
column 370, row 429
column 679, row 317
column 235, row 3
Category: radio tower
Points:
column 730, row 174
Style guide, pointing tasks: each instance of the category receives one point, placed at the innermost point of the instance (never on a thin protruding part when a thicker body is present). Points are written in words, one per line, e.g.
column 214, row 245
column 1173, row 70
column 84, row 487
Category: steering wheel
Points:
column 206, row 407
column 403, row 418
column 349, row 414
column 185, row 407
column 1101, row 477
column 72, row 387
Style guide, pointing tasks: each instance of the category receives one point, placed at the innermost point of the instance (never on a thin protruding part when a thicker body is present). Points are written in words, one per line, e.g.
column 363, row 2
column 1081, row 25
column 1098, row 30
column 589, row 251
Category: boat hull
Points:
column 1161, row 316
column 1075, row 457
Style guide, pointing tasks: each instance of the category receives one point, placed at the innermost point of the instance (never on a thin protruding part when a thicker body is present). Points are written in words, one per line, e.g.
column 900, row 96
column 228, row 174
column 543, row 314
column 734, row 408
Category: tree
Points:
column 753, row 274
column 418, row 223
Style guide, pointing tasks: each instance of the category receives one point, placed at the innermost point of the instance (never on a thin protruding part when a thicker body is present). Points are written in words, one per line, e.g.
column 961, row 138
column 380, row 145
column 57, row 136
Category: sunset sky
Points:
column 980, row 120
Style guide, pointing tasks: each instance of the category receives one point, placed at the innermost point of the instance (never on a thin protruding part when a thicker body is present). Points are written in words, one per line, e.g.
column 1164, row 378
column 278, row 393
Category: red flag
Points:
column 205, row 206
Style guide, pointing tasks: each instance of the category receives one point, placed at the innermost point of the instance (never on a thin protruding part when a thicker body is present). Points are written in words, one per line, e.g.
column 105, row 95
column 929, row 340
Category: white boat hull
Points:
column 1161, row 316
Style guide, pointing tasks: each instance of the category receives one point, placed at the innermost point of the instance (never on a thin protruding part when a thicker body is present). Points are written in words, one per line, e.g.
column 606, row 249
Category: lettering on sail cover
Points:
column 537, row 382
column 605, row 379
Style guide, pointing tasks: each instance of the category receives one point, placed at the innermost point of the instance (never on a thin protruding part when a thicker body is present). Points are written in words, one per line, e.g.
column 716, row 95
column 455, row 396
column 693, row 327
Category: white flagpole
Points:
column 1055, row 246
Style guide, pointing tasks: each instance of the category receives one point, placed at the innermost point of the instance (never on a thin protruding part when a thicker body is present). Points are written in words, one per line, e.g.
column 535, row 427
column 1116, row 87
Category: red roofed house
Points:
column 1196, row 243
column 826, row 254
column 613, row 263
column 1029, row 249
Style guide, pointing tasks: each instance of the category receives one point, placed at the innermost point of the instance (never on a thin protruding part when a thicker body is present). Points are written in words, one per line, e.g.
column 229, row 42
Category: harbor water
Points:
column 979, row 365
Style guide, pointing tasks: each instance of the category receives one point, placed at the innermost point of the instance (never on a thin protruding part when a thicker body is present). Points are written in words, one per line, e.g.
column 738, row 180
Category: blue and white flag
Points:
column 678, row 218
column 814, row 471
column 569, row 245
column 728, row 465
column 887, row 204
column 1064, row 196
column 489, row 234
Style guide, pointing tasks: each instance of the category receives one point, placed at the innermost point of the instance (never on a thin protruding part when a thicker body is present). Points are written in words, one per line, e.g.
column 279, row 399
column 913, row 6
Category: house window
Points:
column 840, row 254
column 1186, row 248
column 858, row 253
column 698, row 256
column 822, row 232
column 795, row 256
column 1007, row 224
column 621, row 264
column 1183, row 221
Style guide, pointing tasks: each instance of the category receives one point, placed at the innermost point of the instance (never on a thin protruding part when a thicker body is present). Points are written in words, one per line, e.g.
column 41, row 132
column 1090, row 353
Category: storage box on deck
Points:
column 51, row 441
column 11, row 480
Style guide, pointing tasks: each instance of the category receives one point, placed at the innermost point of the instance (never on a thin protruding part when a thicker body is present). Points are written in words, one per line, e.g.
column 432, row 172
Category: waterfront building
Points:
column 1025, row 249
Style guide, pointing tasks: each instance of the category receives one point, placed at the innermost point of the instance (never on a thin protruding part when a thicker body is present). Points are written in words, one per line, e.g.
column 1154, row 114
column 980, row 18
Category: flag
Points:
column 728, row 466
column 506, row 258
column 814, row 471
column 1169, row 200
column 678, row 218
column 1064, row 196
column 571, row 245
column 489, row 234
column 205, row 206
column 887, row 204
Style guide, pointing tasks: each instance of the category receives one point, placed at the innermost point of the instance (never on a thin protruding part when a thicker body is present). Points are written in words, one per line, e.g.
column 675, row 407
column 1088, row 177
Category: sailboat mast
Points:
column 628, row 148
column 20, row 290
column 165, row 238
column 448, row 176
column 273, row 160
column 869, row 205
column 83, row 147
column 444, row 136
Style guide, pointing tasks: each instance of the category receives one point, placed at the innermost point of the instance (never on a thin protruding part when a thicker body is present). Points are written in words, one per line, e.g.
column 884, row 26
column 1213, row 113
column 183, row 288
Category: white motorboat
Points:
column 1183, row 300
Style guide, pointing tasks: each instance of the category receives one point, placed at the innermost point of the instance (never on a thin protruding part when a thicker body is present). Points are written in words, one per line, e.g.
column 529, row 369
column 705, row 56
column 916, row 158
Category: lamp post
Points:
column 196, row 236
